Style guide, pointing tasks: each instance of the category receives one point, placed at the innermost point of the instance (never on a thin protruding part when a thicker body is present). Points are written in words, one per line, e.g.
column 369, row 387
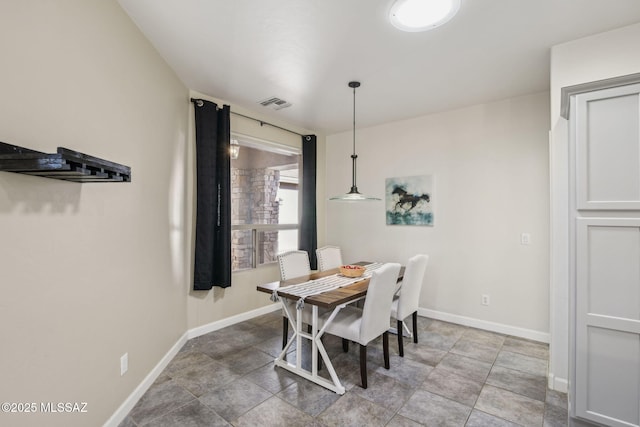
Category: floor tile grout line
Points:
column 169, row 412
column 396, row 412
column 484, row 383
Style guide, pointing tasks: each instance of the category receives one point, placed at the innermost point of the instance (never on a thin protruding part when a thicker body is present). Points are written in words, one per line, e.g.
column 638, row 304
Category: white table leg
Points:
column 314, row 340
column 298, row 338
column 293, row 338
column 316, row 346
column 323, row 351
column 405, row 331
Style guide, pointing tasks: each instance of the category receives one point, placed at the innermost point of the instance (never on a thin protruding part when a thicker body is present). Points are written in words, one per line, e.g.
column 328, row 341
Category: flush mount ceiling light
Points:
column 422, row 15
column 353, row 195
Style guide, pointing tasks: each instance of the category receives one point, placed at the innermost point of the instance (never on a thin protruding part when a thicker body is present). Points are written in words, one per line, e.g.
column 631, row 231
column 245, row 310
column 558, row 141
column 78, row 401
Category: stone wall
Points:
column 253, row 201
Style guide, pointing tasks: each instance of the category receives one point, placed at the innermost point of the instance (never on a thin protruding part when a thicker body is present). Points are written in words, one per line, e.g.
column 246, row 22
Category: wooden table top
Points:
column 328, row 299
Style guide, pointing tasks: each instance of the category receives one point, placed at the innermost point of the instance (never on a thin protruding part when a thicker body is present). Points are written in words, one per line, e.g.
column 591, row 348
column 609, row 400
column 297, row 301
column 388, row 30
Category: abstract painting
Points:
column 409, row 200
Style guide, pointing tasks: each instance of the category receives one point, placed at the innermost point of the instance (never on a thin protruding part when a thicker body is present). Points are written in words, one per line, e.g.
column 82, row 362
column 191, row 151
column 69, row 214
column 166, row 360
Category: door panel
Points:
column 607, row 358
column 613, row 270
column 612, row 388
column 608, row 149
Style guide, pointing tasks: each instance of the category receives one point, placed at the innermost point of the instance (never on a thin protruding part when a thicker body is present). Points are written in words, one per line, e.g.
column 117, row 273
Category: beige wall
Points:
column 610, row 54
column 88, row 272
column 490, row 165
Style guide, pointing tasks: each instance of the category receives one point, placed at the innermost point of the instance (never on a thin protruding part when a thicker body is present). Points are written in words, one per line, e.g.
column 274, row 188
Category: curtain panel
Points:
column 213, row 192
column 308, row 238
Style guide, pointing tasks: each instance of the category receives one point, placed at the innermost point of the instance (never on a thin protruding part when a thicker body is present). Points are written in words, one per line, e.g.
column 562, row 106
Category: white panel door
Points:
column 607, row 361
column 607, row 126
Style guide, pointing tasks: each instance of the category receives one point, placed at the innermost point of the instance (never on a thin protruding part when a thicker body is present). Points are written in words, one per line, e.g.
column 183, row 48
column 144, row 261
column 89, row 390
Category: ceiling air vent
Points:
column 275, row 103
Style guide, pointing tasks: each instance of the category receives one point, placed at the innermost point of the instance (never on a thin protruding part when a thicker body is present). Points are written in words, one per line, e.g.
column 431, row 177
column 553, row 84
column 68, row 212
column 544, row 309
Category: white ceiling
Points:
column 306, row 51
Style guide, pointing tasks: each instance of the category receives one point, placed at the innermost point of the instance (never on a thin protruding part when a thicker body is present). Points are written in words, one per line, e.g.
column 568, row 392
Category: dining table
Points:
column 328, row 290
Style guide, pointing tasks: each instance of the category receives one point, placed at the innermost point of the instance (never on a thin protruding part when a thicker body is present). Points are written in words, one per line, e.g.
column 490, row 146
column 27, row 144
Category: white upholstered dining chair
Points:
column 364, row 325
column 405, row 304
column 294, row 264
column 329, row 257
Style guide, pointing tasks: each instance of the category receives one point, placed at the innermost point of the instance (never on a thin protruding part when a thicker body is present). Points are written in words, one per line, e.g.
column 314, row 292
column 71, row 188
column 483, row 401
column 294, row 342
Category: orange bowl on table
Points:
column 352, row 270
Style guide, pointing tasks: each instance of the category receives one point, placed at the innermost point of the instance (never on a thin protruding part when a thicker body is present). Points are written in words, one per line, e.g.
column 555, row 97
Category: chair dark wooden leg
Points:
column 415, row 327
column 400, row 340
column 363, row 365
column 345, row 345
column 385, row 348
column 285, row 331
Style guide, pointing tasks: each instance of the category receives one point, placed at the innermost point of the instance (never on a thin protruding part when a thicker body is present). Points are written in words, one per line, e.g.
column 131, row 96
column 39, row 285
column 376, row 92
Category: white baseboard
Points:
column 120, row 414
column 133, row 398
column 486, row 325
column 558, row 384
column 219, row 324
column 554, row 383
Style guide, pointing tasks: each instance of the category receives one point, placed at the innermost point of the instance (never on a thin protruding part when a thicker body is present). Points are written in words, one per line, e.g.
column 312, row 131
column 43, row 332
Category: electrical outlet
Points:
column 485, row 300
column 525, row 239
column 124, row 364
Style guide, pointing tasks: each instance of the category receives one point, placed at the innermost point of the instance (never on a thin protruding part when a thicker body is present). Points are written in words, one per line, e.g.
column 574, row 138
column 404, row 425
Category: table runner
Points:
column 323, row 284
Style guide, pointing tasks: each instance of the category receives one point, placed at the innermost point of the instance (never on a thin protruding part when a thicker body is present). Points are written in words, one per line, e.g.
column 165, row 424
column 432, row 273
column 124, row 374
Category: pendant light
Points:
column 353, row 195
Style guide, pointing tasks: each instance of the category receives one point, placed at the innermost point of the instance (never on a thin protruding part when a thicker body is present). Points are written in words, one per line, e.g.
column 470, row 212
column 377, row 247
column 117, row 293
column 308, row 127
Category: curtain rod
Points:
column 200, row 103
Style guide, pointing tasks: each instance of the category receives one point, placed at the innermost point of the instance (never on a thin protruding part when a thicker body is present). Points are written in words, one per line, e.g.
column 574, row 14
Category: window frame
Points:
column 274, row 147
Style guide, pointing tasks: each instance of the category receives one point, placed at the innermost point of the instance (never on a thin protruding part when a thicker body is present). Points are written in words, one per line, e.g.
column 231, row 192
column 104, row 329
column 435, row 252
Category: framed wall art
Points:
column 409, row 200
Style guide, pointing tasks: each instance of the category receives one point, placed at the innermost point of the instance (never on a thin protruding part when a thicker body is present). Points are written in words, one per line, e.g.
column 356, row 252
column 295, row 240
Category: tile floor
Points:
column 455, row 376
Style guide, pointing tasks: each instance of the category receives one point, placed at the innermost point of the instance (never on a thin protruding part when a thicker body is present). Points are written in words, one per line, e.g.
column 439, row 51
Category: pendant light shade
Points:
column 354, row 195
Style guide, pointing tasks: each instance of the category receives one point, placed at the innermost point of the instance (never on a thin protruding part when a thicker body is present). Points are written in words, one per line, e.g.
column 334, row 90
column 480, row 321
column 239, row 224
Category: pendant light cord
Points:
column 354, row 156
column 354, row 121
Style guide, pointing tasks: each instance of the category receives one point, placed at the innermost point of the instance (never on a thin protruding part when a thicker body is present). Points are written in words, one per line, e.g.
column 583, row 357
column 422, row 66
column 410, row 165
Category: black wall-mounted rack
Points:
column 67, row 165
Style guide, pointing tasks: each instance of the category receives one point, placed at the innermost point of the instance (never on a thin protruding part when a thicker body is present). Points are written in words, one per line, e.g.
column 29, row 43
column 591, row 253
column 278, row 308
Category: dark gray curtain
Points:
column 213, row 212
column 308, row 239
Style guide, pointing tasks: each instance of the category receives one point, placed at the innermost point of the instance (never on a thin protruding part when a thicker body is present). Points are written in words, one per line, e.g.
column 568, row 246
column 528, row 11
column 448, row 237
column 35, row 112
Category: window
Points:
column 264, row 202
